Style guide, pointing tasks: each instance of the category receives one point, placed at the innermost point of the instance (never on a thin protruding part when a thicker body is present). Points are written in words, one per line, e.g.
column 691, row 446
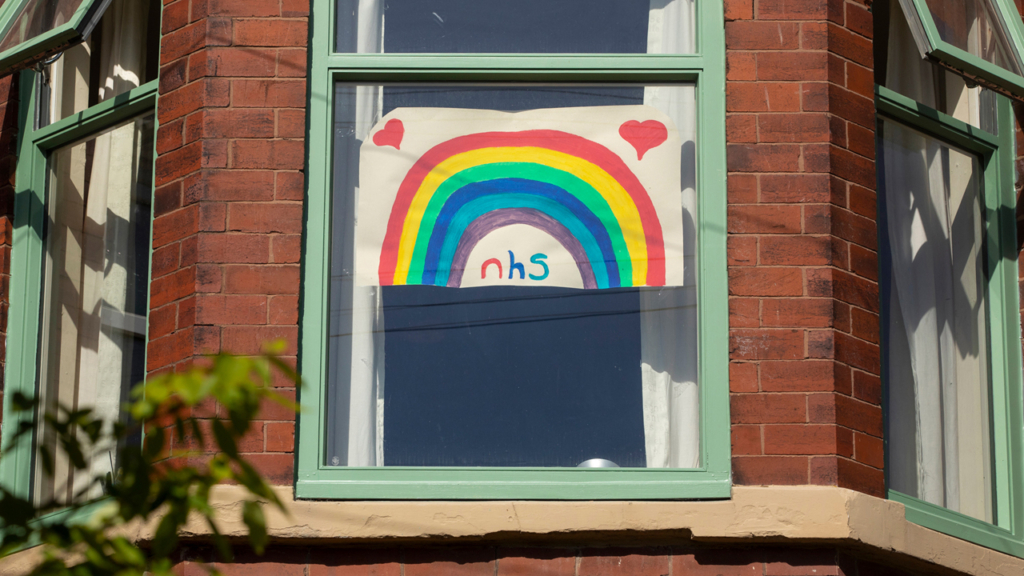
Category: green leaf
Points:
column 252, row 515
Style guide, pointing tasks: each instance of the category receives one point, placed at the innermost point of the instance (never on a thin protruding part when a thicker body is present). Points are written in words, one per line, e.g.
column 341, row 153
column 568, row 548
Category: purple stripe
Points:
column 495, row 219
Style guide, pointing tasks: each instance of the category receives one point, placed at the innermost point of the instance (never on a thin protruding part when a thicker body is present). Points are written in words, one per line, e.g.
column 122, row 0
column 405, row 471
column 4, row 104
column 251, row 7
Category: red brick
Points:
column 286, row 33
column 289, row 186
column 768, row 408
column 169, row 137
column 742, row 188
column 792, row 66
column 768, row 470
column 238, row 123
column 612, row 562
column 739, row 9
column 165, row 260
column 796, row 188
column 169, row 350
column 286, row 249
column 849, row 45
column 268, row 93
column 186, row 100
column 863, row 201
column 765, row 282
column 742, row 250
column 856, row 229
column 261, row 279
column 162, row 321
column 859, row 19
column 711, row 562
column 753, row 35
column 813, row 36
column 280, row 437
column 178, row 163
column 851, row 106
column 221, row 310
column 867, row 387
column 294, row 8
column 795, row 251
column 824, row 471
column 852, row 167
column 814, row 97
column 291, row 123
column 234, row 248
column 741, row 128
column 284, row 310
column 857, row 353
column 175, row 226
column 792, row 128
column 536, row 562
column 861, row 478
column 242, row 7
column 763, row 158
column 762, row 97
column 865, row 325
column 764, row 220
column 175, row 15
column 238, row 62
column 801, row 376
column 272, row 154
column 326, row 561
column 746, row 440
column 864, row 262
column 233, row 185
column 740, row 66
column 869, row 450
column 797, row 312
column 744, row 313
column 291, row 63
column 859, row 416
column 449, row 561
column 855, row 290
column 860, row 80
column 208, row 278
column 743, row 377
column 172, row 287
column 791, row 10
column 277, row 470
column 266, row 218
column 810, row 439
column 252, row 339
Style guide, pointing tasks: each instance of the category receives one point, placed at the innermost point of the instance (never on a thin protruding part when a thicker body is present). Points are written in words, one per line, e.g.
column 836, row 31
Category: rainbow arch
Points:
column 576, row 190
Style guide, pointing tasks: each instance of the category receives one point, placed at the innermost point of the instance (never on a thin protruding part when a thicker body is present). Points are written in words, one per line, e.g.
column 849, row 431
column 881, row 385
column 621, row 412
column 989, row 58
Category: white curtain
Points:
column 92, row 250
column 668, row 316
column 936, row 372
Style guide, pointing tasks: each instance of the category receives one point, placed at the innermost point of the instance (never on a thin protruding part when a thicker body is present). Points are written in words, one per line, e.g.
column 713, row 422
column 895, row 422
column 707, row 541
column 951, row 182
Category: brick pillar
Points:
column 803, row 275
column 228, row 204
column 8, row 162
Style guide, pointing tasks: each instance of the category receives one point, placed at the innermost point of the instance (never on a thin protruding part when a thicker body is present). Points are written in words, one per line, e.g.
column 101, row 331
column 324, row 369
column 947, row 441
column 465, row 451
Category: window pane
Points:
column 974, row 26
column 933, row 285
column 519, row 340
column 528, row 26
column 38, row 17
column 930, row 84
column 119, row 55
column 93, row 342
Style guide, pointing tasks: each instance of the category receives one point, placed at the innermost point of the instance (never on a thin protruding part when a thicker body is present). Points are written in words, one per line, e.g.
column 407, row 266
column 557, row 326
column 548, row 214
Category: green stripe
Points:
column 529, row 171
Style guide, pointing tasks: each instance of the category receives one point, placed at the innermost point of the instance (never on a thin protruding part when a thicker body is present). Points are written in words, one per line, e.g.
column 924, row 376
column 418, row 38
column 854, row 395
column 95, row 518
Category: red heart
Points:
column 391, row 135
column 643, row 135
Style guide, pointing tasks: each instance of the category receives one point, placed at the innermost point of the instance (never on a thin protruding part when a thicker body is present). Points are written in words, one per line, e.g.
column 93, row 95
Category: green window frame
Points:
column 705, row 68
column 996, row 156
column 75, row 30
column 28, row 252
column 1009, row 24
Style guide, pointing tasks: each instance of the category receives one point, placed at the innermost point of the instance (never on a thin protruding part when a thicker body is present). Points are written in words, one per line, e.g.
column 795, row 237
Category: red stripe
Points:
column 551, row 139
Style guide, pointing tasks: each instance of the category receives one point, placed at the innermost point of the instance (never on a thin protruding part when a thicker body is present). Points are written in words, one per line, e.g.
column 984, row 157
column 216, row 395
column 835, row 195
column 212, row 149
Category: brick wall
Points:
column 8, row 160
column 802, row 263
column 565, row 561
column 228, row 202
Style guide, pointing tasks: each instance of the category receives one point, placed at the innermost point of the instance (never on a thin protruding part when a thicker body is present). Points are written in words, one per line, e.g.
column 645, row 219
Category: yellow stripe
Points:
column 618, row 199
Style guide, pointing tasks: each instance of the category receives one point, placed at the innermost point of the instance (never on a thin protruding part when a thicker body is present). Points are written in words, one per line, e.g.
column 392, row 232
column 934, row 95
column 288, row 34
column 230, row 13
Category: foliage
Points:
column 152, row 481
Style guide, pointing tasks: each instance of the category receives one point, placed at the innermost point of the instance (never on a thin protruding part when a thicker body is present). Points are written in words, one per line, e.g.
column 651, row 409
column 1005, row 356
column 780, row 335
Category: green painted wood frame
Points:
column 996, row 155
column 975, row 67
column 707, row 70
column 75, row 30
column 28, row 250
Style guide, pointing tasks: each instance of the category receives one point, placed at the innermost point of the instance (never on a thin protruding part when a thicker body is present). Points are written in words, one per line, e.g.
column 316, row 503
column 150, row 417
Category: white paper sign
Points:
column 585, row 197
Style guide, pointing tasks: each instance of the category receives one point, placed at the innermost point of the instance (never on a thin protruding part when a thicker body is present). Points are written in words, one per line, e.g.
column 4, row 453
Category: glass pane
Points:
column 93, row 344
column 932, row 85
column 521, row 332
column 975, row 27
column 933, row 285
column 526, row 26
column 121, row 54
column 38, row 17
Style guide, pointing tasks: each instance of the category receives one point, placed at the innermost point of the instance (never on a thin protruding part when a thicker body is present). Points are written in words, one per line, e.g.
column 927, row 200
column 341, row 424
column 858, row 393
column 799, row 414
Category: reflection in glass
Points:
column 933, row 285
column 121, row 54
column 507, row 375
column 974, row 27
column 93, row 336
column 932, row 85
column 524, row 26
column 37, row 17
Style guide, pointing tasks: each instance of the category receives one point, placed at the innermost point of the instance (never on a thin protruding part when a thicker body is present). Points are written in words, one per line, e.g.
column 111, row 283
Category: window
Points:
column 948, row 288
column 31, row 30
column 80, row 259
column 980, row 39
column 515, row 252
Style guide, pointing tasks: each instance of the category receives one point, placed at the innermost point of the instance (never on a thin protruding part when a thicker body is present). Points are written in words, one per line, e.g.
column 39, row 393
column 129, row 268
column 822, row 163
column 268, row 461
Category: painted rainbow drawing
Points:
column 574, row 189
